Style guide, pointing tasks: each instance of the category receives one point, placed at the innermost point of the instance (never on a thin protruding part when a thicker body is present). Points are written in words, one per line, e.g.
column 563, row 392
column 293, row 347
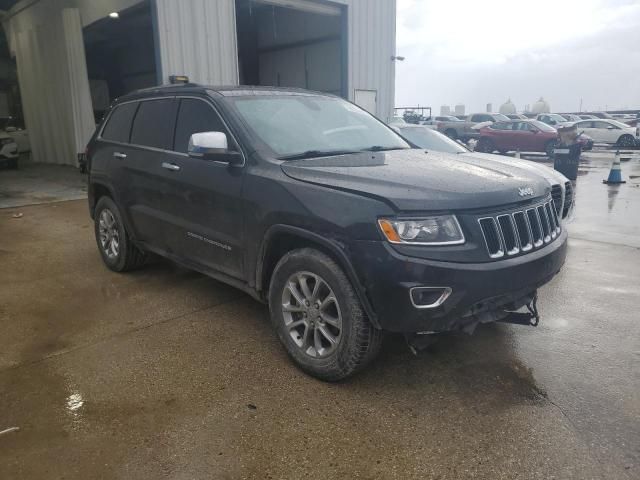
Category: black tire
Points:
column 549, row 148
column 626, row 141
column 12, row 163
column 358, row 342
column 485, row 145
column 128, row 257
column 451, row 133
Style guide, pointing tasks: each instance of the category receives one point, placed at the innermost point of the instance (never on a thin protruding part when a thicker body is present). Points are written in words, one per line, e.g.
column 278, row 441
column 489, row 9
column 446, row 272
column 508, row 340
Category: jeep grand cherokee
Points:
column 312, row 205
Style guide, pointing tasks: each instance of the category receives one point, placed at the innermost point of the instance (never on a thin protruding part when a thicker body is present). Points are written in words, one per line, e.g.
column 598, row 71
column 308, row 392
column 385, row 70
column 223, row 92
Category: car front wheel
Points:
column 626, row 141
column 318, row 316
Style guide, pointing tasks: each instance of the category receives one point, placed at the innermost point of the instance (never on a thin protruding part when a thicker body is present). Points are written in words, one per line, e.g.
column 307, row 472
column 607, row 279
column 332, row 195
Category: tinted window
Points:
column 501, row 126
column 196, row 116
column 118, row 126
column 153, row 124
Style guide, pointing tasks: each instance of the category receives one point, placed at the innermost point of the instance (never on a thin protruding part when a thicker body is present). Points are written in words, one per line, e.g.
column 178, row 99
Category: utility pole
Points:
column 580, row 106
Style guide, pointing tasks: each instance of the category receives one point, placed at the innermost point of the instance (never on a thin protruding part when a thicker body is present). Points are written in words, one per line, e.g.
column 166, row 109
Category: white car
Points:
column 16, row 131
column 604, row 130
column 8, row 150
column 561, row 187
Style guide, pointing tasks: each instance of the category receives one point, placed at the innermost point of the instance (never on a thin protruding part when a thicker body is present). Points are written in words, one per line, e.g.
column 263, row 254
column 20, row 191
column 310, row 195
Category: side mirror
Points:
column 10, row 129
column 213, row 146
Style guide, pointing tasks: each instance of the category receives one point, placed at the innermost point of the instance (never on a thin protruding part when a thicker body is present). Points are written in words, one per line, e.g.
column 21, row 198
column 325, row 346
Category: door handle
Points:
column 119, row 155
column 170, row 166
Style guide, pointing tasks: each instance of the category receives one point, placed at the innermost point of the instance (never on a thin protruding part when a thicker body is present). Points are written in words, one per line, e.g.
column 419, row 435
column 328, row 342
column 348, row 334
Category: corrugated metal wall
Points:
column 372, row 43
column 198, row 38
column 206, row 50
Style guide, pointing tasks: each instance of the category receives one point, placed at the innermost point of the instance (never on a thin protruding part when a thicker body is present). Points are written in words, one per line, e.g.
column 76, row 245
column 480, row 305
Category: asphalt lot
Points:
column 165, row 373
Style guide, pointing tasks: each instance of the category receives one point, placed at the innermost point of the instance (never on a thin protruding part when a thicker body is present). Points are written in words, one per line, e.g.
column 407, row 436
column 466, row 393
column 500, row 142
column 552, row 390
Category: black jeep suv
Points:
column 309, row 203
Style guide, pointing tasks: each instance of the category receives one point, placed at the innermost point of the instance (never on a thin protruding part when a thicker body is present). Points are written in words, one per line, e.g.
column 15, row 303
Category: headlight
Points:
column 437, row 230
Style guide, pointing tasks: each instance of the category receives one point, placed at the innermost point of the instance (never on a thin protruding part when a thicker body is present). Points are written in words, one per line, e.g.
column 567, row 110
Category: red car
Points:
column 524, row 135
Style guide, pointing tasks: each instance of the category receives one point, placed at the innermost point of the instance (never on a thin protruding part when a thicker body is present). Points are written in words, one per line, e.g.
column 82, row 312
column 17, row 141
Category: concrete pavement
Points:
column 164, row 373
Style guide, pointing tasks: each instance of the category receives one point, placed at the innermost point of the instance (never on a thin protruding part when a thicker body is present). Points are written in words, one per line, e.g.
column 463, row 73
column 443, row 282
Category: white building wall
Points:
column 46, row 39
column 198, row 38
column 207, row 51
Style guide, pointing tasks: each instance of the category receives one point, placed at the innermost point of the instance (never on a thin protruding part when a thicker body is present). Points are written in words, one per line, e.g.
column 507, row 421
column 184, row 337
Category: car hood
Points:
column 416, row 180
column 551, row 175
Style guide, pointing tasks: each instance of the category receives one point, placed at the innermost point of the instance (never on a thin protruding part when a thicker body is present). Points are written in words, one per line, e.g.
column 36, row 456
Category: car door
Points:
column 202, row 198
column 607, row 131
column 140, row 176
column 520, row 137
column 587, row 126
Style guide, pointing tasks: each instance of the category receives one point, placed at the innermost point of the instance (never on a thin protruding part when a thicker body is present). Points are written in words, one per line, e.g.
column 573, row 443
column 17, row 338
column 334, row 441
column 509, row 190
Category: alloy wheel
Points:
column 311, row 313
column 109, row 234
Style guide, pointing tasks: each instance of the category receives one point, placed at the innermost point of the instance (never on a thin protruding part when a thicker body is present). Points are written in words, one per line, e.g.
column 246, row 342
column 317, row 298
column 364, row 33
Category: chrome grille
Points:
column 520, row 231
column 568, row 199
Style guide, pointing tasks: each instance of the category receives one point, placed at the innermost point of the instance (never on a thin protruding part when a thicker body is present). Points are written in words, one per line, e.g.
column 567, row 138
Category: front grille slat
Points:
column 522, row 230
column 556, row 196
column 508, row 231
column 492, row 238
column 546, row 229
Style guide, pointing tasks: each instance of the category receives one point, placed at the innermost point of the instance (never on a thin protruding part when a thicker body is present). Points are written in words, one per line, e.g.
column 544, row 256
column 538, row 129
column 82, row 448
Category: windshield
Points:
column 293, row 125
column 431, row 140
column 557, row 118
column 499, row 117
column 543, row 126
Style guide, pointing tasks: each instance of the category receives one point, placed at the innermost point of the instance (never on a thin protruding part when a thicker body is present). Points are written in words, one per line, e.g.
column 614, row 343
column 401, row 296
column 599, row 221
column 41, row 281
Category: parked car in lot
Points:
column 16, row 130
column 312, row 205
column 609, row 131
column 587, row 117
column 552, row 119
column 430, row 140
column 570, row 117
column 523, row 135
column 468, row 129
column 8, row 151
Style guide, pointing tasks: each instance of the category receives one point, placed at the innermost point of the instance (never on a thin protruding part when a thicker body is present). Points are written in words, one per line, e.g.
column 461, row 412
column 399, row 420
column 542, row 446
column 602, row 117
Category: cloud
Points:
column 480, row 52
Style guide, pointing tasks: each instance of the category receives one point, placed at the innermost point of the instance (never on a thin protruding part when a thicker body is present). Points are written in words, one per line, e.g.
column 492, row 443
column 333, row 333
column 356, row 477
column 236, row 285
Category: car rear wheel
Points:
column 116, row 248
column 626, row 141
column 550, row 147
column 318, row 316
column 13, row 163
column 485, row 145
column 451, row 133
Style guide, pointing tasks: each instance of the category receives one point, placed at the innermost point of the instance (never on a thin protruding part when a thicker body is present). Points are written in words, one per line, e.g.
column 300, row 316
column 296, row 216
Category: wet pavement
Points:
column 165, row 373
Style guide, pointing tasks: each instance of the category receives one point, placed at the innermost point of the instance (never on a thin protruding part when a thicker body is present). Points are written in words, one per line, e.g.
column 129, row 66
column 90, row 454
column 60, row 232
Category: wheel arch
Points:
column 281, row 239
column 96, row 191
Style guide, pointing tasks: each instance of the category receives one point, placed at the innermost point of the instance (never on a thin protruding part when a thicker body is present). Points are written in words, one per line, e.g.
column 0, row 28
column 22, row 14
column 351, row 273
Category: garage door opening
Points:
column 121, row 55
column 284, row 46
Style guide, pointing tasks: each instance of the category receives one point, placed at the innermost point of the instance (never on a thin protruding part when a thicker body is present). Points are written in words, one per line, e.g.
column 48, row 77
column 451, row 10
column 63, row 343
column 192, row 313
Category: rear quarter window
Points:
column 118, row 125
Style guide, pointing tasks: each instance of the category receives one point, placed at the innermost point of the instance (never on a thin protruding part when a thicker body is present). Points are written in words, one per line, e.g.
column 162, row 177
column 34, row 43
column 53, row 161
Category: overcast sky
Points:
column 484, row 51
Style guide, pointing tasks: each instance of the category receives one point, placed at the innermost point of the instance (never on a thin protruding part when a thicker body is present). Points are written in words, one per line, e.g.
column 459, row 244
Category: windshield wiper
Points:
column 378, row 148
column 315, row 153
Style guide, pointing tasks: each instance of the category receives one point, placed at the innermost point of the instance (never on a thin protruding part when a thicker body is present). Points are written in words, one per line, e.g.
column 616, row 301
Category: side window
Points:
column 118, row 126
column 153, row 124
column 196, row 116
column 603, row 125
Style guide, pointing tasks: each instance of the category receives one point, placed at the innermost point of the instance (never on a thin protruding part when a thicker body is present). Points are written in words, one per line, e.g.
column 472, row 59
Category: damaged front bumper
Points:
column 475, row 292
